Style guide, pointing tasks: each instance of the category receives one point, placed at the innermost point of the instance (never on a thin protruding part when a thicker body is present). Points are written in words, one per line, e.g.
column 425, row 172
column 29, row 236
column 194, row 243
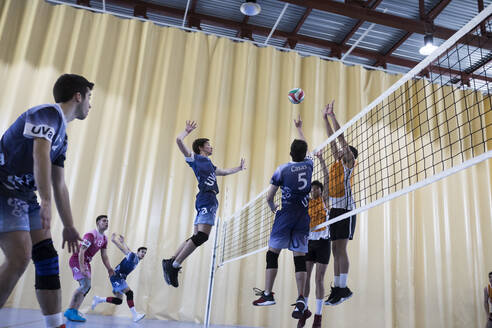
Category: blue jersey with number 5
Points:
column 294, row 179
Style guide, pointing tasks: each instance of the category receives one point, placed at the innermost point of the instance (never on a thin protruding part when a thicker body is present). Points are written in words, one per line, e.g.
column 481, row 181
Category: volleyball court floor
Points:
column 24, row 318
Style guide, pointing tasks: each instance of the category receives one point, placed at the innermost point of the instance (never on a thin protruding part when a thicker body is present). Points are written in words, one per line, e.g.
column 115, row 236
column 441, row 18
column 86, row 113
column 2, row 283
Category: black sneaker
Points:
column 264, row 300
column 299, row 308
column 305, row 316
column 333, row 294
column 342, row 295
column 170, row 272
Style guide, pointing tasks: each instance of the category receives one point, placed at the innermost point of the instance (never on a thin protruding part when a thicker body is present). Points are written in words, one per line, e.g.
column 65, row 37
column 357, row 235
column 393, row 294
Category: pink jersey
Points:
column 94, row 241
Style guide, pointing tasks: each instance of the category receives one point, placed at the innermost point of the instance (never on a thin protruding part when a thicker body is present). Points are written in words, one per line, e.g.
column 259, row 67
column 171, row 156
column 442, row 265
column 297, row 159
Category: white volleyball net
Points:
column 435, row 121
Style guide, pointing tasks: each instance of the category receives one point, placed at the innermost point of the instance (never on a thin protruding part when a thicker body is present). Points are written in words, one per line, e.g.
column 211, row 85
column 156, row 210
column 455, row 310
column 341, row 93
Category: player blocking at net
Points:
column 291, row 226
column 206, row 203
column 341, row 201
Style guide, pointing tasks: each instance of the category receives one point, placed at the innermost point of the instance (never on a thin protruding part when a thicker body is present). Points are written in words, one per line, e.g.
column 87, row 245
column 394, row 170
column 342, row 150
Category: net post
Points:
column 206, row 322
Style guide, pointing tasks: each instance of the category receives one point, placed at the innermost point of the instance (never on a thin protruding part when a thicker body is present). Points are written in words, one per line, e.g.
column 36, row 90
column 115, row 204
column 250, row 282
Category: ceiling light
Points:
column 250, row 8
column 429, row 46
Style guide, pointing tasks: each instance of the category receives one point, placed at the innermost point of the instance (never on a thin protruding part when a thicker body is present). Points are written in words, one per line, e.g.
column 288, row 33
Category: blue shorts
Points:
column 290, row 230
column 206, row 207
column 18, row 215
column 119, row 284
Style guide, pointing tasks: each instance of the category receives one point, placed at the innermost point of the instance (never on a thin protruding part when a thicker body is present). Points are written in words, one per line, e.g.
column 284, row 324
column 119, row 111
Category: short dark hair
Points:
column 318, row 184
column 138, row 250
column 200, row 142
column 298, row 150
column 354, row 151
column 68, row 85
column 490, row 273
column 100, row 217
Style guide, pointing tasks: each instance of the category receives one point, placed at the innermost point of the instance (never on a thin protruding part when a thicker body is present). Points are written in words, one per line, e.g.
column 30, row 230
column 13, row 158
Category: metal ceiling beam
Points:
column 297, row 28
column 433, row 13
column 374, row 16
column 359, row 23
column 260, row 30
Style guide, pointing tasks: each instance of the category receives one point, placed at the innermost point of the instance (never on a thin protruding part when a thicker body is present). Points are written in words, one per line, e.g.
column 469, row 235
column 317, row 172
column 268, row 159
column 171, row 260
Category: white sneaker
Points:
column 95, row 301
column 138, row 317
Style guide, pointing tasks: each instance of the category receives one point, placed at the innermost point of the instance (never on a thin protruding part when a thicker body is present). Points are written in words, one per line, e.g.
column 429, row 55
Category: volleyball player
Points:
column 32, row 157
column 291, row 226
column 118, row 280
column 341, row 201
column 206, row 200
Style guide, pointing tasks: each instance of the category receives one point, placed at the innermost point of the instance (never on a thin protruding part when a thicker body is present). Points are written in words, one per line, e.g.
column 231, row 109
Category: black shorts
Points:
column 319, row 251
column 342, row 229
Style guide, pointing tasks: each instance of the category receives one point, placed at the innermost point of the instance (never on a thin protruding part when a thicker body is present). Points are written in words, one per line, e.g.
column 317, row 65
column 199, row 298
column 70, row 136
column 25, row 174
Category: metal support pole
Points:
column 206, row 322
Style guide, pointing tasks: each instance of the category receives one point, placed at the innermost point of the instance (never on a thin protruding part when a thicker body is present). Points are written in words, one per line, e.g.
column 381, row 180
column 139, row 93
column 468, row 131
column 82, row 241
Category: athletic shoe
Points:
column 74, row 315
column 165, row 263
column 342, row 295
column 333, row 294
column 138, row 317
column 95, row 301
column 305, row 316
column 317, row 321
column 264, row 300
column 300, row 307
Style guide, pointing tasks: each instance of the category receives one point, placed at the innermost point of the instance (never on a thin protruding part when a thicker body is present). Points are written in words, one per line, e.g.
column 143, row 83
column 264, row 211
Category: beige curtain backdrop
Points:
column 419, row 261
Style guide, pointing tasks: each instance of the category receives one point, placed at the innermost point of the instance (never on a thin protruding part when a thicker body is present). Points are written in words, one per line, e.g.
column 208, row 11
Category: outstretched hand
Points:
column 242, row 165
column 319, row 154
column 328, row 109
column 190, row 126
column 121, row 238
column 298, row 122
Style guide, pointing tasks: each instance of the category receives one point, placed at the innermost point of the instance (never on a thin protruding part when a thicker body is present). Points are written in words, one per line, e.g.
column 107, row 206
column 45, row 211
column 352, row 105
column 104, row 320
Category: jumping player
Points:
column 93, row 241
column 118, row 280
column 206, row 200
column 341, row 201
column 32, row 156
column 319, row 244
column 291, row 226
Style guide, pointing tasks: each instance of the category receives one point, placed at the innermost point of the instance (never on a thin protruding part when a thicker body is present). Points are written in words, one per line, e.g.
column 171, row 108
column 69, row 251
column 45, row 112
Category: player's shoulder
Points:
column 52, row 110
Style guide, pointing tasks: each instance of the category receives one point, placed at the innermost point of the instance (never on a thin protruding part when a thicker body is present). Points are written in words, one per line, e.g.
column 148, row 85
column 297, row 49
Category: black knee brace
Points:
column 272, row 260
column 45, row 260
column 129, row 295
column 300, row 263
column 199, row 238
column 116, row 301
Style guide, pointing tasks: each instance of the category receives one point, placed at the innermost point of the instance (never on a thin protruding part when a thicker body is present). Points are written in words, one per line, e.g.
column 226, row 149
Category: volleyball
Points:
column 296, row 96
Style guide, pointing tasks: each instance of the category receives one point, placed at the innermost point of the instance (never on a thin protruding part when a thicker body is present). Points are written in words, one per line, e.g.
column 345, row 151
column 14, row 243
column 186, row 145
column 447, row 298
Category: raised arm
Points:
column 222, row 172
column 298, row 124
column 105, row 260
column 270, row 196
column 119, row 241
column 347, row 155
column 329, row 130
column 326, row 176
column 190, row 126
column 62, row 200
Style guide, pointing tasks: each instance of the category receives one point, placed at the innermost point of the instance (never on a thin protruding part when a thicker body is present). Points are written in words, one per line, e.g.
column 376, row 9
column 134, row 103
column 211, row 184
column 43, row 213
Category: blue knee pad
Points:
column 45, row 260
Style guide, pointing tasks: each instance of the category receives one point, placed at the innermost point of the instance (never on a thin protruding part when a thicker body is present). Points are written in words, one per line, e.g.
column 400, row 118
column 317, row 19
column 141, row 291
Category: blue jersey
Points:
column 294, row 179
column 127, row 265
column 16, row 148
column 205, row 173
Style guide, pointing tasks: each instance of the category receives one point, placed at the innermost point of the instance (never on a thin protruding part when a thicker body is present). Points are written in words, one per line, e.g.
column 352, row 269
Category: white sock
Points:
column 307, row 300
column 176, row 264
column 134, row 312
column 319, row 306
column 337, row 281
column 100, row 299
column 343, row 280
column 53, row 320
column 266, row 294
